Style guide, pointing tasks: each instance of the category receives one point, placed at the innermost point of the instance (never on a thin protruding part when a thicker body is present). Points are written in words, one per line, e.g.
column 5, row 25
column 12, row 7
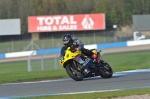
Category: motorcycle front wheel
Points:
column 74, row 73
column 106, row 70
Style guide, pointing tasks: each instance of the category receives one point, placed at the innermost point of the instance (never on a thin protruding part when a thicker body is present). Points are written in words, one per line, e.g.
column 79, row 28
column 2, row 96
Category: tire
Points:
column 106, row 73
column 72, row 75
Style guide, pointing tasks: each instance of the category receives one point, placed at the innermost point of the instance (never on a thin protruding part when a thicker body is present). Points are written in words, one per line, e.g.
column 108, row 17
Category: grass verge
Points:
column 97, row 95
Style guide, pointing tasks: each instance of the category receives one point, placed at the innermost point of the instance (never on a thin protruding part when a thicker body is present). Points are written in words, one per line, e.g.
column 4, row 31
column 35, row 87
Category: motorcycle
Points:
column 73, row 63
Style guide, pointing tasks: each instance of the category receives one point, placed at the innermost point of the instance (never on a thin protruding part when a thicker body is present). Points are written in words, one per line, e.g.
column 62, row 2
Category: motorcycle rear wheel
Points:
column 74, row 75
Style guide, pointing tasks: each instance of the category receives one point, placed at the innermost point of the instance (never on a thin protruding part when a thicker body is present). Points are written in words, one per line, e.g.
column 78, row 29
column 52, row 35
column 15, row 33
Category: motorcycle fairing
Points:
column 68, row 56
column 78, row 59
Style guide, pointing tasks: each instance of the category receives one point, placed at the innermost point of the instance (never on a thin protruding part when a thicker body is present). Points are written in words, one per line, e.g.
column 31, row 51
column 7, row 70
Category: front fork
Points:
column 76, row 67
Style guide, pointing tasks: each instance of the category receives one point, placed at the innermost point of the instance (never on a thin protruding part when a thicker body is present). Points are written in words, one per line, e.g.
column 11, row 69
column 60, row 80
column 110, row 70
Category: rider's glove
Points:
column 74, row 48
column 77, row 48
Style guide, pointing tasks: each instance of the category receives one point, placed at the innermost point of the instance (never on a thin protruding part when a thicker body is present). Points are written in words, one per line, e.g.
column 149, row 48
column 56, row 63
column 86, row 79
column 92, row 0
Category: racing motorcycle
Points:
column 73, row 63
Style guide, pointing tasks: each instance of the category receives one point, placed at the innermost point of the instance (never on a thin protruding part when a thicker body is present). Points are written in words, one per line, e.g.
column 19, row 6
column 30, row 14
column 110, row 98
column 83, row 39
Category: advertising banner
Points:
column 66, row 23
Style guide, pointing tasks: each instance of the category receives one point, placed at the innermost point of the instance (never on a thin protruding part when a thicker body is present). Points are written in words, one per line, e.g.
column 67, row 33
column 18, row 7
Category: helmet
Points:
column 67, row 40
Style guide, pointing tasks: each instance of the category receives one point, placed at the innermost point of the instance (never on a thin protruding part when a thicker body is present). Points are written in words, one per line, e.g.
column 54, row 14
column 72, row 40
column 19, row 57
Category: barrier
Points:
column 141, row 42
column 2, row 56
column 92, row 46
column 112, row 45
column 49, row 51
column 20, row 54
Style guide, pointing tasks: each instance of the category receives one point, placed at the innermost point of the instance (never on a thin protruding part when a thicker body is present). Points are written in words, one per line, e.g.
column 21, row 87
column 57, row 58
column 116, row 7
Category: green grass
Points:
column 17, row 71
column 97, row 95
column 128, row 61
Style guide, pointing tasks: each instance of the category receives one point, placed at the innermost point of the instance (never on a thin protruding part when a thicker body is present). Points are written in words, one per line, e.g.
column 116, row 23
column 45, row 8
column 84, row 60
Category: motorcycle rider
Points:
column 76, row 44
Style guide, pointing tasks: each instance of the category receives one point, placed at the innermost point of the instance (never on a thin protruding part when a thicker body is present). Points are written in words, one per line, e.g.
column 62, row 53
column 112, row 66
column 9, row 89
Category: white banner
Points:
column 10, row 27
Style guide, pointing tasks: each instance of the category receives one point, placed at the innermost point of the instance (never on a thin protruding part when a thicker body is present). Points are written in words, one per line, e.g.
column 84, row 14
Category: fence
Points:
column 43, row 62
column 54, row 41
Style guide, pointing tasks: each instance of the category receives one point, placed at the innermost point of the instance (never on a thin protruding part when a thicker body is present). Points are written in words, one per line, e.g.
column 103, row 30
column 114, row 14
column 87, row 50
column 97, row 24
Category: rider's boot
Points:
column 92, row 65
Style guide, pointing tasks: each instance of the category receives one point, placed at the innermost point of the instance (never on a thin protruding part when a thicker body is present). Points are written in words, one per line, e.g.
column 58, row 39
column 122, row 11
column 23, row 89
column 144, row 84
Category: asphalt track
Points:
column 119, row 81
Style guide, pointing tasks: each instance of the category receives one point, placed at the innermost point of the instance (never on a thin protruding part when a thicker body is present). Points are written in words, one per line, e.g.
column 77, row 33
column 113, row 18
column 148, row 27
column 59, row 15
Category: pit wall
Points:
column 57, row 50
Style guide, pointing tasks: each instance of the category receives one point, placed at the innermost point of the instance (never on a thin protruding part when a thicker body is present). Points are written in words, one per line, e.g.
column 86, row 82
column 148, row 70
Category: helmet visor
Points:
column 65, row 41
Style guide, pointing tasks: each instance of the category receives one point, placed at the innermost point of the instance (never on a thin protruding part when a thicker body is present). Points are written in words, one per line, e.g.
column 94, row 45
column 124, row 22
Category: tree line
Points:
column 116, row 11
